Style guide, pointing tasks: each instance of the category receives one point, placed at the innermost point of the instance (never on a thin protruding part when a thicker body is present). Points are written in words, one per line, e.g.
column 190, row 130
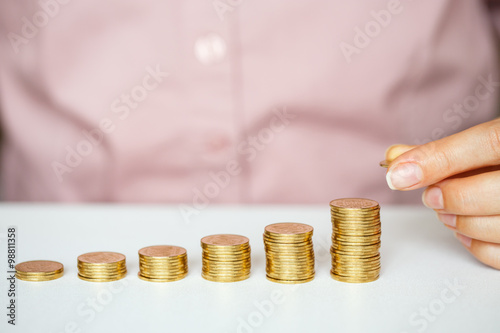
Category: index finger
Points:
column 474, row 148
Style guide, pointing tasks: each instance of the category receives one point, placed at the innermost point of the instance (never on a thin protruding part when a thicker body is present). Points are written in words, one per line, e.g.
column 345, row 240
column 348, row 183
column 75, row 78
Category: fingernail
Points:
column 466, row 241
column 448, row 219
column 404, row 175
column 433, row 198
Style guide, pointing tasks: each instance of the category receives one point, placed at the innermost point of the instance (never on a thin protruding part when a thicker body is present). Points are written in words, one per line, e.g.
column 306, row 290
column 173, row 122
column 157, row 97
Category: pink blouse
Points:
column 232, row 101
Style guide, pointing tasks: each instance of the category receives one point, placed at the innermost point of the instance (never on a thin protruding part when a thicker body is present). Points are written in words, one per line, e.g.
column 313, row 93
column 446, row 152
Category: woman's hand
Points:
column 462, row 176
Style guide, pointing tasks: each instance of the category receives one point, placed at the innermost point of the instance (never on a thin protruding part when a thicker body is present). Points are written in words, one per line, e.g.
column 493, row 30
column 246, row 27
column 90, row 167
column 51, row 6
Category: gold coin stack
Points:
column 226, row 258
column 101, row 266
column 162, row 263
column 289, row 252
column 355, row 240
column 39, row 270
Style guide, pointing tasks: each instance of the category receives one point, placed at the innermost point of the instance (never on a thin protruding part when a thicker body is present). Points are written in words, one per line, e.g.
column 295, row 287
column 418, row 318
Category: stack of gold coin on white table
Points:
column 39, row 270
column 226, row 258
column 101, row 266
column 355, row 240
column 163, row 263
column 289, row 252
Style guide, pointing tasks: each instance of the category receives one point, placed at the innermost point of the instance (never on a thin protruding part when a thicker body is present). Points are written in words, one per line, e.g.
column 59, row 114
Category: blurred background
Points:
column 233, row 101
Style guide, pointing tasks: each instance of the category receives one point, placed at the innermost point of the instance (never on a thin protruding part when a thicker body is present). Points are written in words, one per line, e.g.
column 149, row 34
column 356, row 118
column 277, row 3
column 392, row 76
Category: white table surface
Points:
column 420, row 259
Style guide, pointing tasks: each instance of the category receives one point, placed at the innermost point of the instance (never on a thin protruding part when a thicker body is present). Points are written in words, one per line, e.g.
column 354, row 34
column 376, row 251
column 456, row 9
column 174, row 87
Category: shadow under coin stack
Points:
column 289, row 252
column 226, row 258
column 101, row 266
column 39, row 270
column 355, row 240
column 162, row 263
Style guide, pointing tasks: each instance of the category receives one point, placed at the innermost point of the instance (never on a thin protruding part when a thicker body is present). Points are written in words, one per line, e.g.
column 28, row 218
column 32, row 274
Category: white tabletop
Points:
column 428, row 281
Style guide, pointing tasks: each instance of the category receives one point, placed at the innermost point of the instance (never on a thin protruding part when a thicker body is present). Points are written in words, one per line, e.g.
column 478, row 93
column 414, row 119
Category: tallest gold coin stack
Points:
column 355, row 240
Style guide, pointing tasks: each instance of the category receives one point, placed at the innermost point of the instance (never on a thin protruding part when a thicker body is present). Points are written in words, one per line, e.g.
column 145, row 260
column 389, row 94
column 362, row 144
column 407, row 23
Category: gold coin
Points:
column 226, row 275
column 101, row 268
column 354, row 203
column 224, row 240
column 286, row 233
column 226, row 280
column 291, row 281
column 101, row 257
column 162, row 251
column 288, row 228
column 354, row 279
column 101, row 279
column 356, row 232
column 161, row 278
column 39, row 270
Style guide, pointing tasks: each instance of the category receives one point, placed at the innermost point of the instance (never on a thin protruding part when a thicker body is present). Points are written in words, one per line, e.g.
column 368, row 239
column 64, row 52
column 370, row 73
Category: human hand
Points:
column 462, row 176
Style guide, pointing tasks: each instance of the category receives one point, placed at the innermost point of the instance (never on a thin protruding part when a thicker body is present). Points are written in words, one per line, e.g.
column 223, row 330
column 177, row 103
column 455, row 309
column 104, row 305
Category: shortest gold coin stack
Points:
column 162, row 263
column 226, row 258
column 289, row 252
column 355, row 240
column 101, row 266
column 39, row 270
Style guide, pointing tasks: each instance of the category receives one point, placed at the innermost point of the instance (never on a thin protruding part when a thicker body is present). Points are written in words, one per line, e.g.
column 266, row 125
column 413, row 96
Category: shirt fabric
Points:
column 232, row 101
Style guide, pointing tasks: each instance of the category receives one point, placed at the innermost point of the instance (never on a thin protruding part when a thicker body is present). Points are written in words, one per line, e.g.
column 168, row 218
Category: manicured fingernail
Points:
column 466, row 241
column 448, row 219
column 433, row 198
column 404, row 175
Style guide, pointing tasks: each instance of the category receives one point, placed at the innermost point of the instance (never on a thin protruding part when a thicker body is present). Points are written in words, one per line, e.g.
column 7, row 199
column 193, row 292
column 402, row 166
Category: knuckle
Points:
column 493, row 138
column 461, row 199
column 458, row 198
column 443, row 160
column 434, row 156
